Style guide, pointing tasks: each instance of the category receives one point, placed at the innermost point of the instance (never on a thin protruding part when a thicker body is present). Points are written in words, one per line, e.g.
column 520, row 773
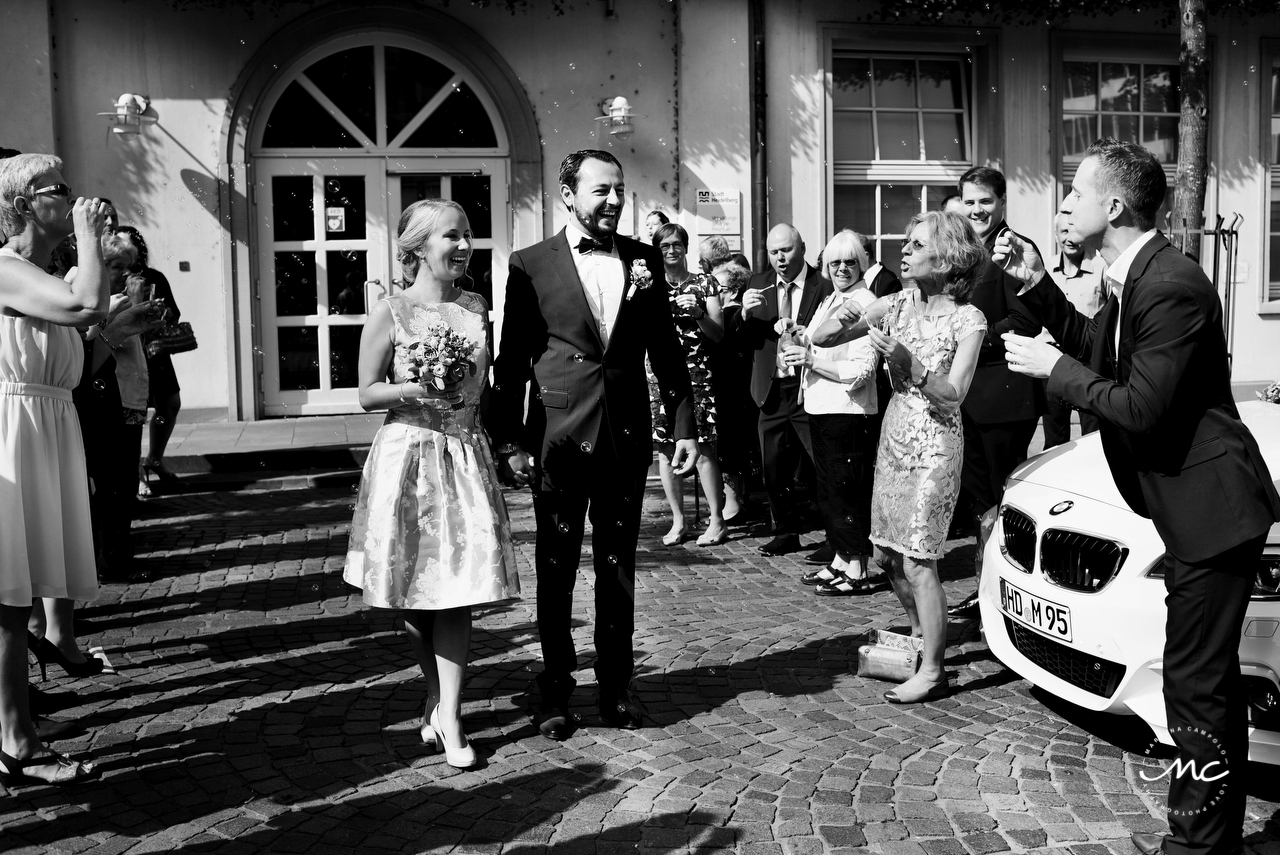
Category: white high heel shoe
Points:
column 458, row 758
column 428, row 733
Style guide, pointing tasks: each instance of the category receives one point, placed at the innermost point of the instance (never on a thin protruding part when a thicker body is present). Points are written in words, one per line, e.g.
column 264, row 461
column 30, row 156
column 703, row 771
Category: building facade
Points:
column 288, row 137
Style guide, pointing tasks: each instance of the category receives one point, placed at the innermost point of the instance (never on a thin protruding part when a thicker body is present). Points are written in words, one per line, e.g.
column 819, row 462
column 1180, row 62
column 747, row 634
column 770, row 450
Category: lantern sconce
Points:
column 618, row 118
column 128, row 118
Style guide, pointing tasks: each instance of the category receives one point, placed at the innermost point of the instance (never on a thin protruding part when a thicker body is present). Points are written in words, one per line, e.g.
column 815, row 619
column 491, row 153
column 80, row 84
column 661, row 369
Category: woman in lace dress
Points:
column 430, row 535
column 929, row 336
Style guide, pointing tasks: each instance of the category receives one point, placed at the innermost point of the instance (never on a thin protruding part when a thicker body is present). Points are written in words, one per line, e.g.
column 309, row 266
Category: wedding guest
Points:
column 1002, row 408
column 737, row 446
column 111, row 219
column 1153, row 365
column 838, row 390
column 430, row 535
column 653, row 222
column 952, row 203
column 790, row 289
column 929, row 336
column 113, row 465
column 696, row 310
column 42, row 470
column 879, row 278
column 165, row 394
column 1078, row 272
column 712, row 252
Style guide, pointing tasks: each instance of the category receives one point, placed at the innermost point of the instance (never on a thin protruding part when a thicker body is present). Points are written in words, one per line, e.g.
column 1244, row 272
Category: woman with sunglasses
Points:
column 46, row 544
column 929, row 337
column 838, row 391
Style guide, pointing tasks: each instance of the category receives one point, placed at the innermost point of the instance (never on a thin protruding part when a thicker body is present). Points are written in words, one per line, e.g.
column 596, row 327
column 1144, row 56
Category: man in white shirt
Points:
column 1078, row 272
column 792, row 289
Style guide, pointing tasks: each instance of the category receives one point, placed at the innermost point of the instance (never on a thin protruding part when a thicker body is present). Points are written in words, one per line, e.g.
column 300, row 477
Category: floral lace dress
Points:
column 430, row 529
column 921, row 449
column 697, row 356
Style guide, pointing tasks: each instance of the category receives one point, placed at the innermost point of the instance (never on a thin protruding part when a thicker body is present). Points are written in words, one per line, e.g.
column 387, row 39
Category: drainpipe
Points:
column 759, row 182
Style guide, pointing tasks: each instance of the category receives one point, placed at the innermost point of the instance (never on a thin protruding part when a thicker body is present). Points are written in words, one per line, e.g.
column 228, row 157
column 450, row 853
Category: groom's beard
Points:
column 591, row 225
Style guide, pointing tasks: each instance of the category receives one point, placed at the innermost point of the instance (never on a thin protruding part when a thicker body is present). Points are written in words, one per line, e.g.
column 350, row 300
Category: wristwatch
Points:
column 924, row 378
column 507, row 448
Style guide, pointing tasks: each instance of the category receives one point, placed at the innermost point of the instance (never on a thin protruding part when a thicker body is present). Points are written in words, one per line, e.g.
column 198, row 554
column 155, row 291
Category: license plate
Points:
column 1040, row 614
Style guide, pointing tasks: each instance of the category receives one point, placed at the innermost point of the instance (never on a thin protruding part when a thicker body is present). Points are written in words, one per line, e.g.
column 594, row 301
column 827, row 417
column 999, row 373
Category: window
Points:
column 1273, row 244
column 1131, row 101
column 902, row 133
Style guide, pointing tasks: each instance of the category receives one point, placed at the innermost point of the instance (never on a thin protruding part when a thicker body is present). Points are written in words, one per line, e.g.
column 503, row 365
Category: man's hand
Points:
column 1018, row 258
column 795, row 356
column 1030, row 356
column 752, row 302
column 685, row 456
column 783, row 326
column 516, row 468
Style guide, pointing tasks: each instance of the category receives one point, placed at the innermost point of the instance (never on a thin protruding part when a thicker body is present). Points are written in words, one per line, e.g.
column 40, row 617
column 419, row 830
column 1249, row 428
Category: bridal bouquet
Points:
column 440, row 354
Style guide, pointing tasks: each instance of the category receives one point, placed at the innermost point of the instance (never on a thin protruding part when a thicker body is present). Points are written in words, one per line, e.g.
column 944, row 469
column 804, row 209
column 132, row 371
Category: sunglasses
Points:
column 53, row 190
column 843, row 262
column 914, row 245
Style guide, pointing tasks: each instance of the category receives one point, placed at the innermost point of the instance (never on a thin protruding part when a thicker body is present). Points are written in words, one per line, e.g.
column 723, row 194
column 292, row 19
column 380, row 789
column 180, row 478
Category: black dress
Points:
column 163, row 380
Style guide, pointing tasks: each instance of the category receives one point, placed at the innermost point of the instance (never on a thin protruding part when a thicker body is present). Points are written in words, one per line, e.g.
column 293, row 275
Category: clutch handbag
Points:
column 171, row 339
column 890, row 656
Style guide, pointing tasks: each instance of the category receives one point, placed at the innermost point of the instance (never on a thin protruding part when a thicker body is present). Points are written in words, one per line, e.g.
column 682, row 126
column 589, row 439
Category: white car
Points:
column 1072, row 593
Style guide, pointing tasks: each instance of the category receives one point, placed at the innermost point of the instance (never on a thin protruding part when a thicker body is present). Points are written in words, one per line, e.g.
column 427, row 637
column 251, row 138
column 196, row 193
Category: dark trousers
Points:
column 844, row 456
column 611, row 492
column 1204, row 697
column 991, row 453
column 785, row 446
column 1057, row 422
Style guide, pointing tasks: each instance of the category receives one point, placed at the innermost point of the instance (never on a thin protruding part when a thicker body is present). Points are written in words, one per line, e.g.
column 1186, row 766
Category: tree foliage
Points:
column 1048, row 12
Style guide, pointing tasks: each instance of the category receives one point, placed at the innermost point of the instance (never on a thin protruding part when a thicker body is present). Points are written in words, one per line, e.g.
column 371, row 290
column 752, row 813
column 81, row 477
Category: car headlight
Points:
column 1266, row 582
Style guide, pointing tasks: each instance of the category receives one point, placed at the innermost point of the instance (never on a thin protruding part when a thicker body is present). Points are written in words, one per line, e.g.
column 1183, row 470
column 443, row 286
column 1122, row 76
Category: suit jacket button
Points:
column 626, row 431
column 586, row 447
column 578, row 357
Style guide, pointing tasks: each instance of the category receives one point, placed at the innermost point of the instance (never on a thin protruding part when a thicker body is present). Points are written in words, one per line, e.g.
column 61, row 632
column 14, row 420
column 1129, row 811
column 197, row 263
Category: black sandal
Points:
column 821, row 576
column 847, row 586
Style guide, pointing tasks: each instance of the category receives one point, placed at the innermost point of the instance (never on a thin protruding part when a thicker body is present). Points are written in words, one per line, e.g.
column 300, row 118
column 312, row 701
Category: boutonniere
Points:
column 641, row 277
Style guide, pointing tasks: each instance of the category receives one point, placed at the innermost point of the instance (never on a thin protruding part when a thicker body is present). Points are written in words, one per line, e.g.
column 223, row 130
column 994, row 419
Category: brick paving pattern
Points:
column 260, row 707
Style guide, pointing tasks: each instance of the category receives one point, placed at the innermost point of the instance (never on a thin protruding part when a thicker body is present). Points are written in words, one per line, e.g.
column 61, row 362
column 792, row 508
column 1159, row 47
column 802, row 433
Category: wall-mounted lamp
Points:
column 618, row 118
column 127, row 117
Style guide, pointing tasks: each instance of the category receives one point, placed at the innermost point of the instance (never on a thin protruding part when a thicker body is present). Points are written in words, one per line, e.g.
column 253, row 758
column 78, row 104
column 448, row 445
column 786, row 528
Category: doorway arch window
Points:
column 353, row 132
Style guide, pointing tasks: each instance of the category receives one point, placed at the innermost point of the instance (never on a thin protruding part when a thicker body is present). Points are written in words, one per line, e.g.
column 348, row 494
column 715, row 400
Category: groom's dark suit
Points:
column 1181, row 456
column 589, row 430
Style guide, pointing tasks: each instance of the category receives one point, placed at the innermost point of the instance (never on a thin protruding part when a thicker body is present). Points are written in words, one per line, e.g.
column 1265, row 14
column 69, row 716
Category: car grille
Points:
column 1079, row 562
column 1097, row 676
column 1019, row 544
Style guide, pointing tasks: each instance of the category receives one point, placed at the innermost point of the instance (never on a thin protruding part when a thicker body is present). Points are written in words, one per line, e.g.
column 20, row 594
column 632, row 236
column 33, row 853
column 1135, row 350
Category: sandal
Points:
column 59, row 769
column 847, row 586
column 936, row 692
column 821, row 576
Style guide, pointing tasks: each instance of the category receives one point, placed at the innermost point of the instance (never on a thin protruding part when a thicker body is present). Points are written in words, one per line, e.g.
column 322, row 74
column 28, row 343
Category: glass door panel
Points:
column 322, row 258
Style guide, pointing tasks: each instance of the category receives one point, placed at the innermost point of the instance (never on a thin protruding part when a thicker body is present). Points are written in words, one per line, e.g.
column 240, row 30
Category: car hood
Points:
column 1080, row 467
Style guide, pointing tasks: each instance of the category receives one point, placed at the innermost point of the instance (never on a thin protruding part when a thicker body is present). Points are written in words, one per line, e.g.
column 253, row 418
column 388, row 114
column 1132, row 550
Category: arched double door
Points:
column 352, row 133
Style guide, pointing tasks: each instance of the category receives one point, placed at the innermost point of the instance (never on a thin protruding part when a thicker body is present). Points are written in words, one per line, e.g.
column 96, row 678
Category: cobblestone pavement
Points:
column 260, row 707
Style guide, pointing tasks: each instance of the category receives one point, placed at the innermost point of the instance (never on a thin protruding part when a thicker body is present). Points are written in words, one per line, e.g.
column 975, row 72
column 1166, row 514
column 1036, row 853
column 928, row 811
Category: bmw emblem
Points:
column 1061, row 508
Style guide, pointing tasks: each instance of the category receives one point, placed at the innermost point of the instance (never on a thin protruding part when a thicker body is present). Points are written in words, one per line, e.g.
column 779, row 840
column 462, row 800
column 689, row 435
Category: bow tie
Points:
column 588, row 244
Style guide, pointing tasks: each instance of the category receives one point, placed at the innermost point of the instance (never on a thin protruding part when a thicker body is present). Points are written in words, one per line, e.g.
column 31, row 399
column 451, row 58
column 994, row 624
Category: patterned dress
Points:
column 921, row 449
column 430, row 529
column 697, row 356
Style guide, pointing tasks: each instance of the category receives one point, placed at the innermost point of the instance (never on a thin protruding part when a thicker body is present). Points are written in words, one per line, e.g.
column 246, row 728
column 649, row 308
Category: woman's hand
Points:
column 688, row 304
column 848, row 314
column 134, row 320
column 451, row 393
column 88, row 216
column 895, row 352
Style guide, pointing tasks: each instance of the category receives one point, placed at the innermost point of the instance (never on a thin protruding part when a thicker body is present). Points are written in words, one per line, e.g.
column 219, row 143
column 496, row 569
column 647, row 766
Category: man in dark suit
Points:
column 793, row 289
column 582, row 310
column 1001, row 410
column 1152, row 365
column 879, row 278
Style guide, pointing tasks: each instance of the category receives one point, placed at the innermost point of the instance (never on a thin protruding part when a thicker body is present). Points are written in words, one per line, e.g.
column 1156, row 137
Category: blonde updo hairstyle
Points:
column 417, row 224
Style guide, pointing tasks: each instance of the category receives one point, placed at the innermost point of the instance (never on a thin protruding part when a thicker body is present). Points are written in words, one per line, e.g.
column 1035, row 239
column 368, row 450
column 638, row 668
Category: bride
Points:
column 430, row 534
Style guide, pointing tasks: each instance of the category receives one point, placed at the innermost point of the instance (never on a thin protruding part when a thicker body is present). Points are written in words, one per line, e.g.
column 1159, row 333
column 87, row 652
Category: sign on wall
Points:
column 719, row 212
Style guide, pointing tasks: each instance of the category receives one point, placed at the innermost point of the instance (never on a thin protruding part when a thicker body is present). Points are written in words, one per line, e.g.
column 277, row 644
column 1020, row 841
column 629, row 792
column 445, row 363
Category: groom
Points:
column 583, row 308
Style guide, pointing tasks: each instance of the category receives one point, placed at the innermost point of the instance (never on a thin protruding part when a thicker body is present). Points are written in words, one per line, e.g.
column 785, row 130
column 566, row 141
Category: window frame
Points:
column 1085, row 46
column 984, row 119
column 1269, row 61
